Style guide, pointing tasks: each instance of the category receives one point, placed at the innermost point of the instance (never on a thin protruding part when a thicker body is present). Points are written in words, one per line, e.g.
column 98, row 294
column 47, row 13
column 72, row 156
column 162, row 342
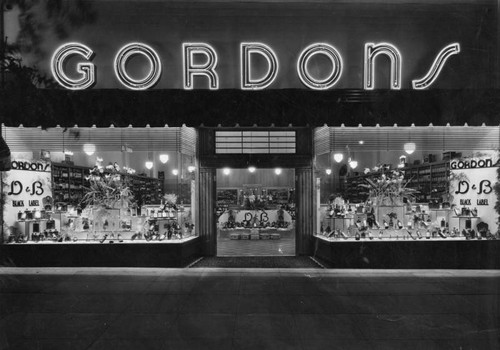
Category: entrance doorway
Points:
column 255, row 212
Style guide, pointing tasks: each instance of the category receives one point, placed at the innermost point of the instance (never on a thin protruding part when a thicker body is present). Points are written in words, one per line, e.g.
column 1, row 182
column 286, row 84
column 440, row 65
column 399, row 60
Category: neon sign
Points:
column 207, row 69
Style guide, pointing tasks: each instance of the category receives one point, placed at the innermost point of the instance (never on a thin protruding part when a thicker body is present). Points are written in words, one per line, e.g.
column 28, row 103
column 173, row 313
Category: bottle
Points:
column 400, row 225
column 474, row 212
column 428, row 235
column 468, row 223
column 386, row 225
column 380, row 234
column 419, row 235
column 321, row 230
column 20, row 216
column 443, row 223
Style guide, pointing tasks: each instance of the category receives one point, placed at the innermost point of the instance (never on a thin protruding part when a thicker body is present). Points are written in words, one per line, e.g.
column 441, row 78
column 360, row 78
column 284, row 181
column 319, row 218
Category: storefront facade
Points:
column 350, row 131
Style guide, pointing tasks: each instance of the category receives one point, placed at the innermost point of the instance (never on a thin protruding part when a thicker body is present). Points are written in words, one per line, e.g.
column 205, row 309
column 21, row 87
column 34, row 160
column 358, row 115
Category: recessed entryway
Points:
column 255, row 212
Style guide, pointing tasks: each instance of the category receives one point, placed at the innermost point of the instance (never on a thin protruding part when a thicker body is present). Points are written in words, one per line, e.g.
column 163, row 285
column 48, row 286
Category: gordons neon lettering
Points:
column 207, row 69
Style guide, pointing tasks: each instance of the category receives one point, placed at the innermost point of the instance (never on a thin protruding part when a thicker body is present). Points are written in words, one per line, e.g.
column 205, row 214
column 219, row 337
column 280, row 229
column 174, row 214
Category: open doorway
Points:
column 255, row 212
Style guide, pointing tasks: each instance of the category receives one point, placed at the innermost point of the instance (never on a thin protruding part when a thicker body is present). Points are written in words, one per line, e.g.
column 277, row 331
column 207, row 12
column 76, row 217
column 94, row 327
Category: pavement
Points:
column 244, row 308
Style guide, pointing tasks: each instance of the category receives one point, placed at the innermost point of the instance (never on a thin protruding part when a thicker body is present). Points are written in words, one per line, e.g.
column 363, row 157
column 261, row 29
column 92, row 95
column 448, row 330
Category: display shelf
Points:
column 465, row 221
column 429, row 179
column 340, row 223
column 146, row 190
column 69, row 183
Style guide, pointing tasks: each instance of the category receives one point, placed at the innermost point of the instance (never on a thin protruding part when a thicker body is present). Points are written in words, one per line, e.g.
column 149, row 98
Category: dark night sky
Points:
column 418, row 28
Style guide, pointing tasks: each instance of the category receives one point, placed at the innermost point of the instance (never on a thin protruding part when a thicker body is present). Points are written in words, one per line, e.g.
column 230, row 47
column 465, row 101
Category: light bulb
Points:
column 410, row 147
column 163, row 158
column 277, row 171
column 89, row 148
column 175, row 172
column 252, row 169
column 328, row 171
column 338, row 157
column 191, row 168
column 226, row 171
column 149, row 164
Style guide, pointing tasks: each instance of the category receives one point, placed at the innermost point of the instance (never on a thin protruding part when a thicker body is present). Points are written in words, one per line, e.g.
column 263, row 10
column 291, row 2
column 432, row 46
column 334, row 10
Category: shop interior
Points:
column 256, row 212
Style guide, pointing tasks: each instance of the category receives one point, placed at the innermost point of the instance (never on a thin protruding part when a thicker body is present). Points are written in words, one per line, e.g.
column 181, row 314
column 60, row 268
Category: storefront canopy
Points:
column 4, row 155
column 102, row 108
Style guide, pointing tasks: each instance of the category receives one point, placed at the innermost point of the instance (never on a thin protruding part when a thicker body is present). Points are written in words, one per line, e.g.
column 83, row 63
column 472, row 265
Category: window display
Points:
column 59, row 197
column 434, row 197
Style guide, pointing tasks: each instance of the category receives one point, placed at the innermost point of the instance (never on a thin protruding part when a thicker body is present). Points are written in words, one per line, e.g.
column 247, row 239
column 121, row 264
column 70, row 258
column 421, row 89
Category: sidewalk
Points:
column 210, row 308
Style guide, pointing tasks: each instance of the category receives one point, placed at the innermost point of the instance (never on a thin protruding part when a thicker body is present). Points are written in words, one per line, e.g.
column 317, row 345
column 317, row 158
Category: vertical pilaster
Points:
column 304, row 195
column 206, row 210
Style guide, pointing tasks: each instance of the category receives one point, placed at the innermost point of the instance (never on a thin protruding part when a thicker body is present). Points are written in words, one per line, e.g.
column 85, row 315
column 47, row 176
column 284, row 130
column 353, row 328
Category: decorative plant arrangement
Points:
column 389, row 189
column 170, row 201
column 108, row 187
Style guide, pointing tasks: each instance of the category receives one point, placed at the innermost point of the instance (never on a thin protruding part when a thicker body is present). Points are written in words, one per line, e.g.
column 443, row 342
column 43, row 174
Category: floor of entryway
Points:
column 246, row 309
column 260, row 247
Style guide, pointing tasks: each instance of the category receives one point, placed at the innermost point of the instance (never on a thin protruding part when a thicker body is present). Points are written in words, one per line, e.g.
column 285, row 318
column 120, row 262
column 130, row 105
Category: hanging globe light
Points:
column 149, row 165
column 410, row 147
column 226, row 171
column 328, row 171
column 163, row 158
column 89, row 148
column 353, row 164
column 338, row 157
column 277, row 171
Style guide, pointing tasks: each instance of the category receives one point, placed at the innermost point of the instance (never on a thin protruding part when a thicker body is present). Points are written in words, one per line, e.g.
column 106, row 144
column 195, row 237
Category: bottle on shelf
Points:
column 399, row 224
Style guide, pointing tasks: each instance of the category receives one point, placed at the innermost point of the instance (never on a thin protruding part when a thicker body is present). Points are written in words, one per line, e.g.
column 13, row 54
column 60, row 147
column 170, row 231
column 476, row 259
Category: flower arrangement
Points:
column 108, row 187
column 170, row 200
column 389, row 188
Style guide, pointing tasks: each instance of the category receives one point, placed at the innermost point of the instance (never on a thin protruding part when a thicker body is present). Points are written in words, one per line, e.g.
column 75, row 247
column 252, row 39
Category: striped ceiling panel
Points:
column 105, row 139
column 435, row 138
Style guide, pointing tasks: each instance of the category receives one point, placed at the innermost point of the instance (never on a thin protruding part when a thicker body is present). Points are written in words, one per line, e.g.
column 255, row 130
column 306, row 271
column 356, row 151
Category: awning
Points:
column 4, row 155
column 50, row 107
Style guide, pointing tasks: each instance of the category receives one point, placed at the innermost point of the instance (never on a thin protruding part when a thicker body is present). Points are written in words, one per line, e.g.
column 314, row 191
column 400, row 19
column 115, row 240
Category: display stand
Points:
column 383, row 211
column 339, row 223
column 462, row 222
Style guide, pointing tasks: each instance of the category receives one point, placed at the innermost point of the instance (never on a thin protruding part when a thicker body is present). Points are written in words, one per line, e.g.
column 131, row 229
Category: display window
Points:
column 407, row 183
column 99, row 185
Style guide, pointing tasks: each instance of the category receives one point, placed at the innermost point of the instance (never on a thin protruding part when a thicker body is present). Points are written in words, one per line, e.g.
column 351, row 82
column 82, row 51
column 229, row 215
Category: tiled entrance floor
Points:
column 206, row 308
